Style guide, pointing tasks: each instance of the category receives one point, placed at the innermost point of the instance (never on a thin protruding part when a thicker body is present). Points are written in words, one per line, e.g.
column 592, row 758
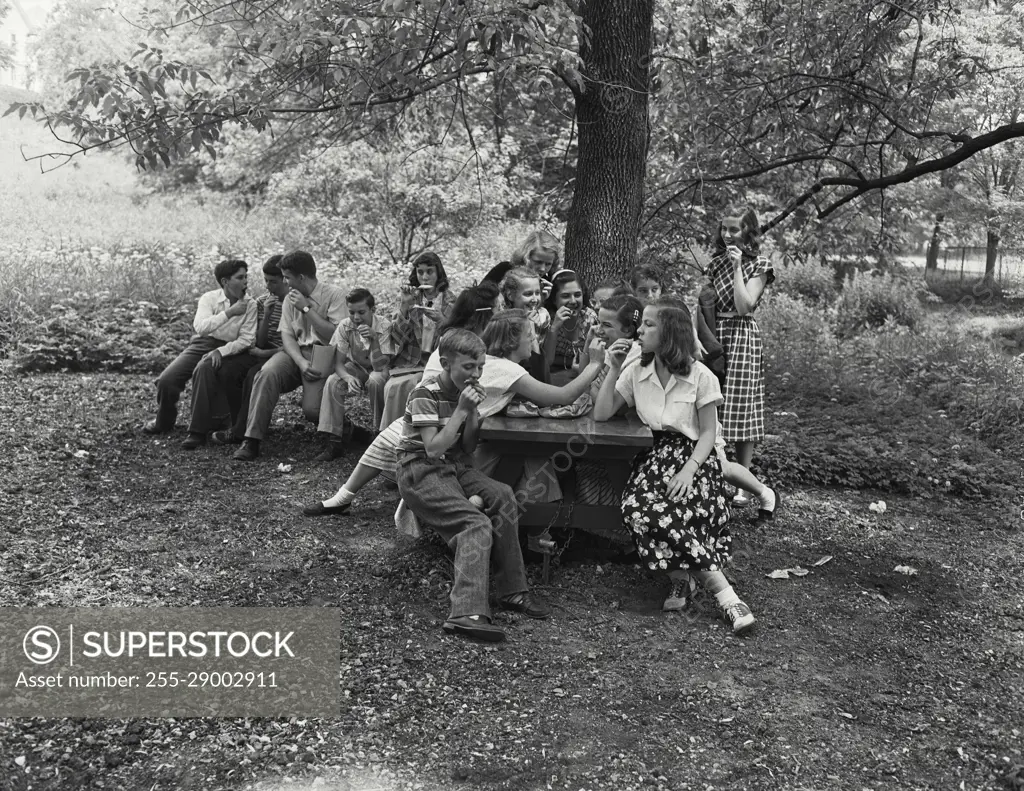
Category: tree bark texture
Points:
column 612, row 119
column 932, row 258
column 991, row 254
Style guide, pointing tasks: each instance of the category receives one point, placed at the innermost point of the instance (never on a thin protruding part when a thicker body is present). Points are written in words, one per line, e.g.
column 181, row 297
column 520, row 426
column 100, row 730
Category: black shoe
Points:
column 526, row 603
column 335, row 449
column 193, row 441
column 362, row 436
column 225, row 437
column 765, row 515
column 319, row 509
column 249, row 451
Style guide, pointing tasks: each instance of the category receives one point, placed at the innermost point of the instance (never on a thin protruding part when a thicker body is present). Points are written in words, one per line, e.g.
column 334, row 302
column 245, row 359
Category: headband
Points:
column 560, row 271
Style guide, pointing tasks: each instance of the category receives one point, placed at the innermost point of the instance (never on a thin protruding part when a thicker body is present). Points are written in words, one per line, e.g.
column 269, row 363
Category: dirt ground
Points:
column 858, row 676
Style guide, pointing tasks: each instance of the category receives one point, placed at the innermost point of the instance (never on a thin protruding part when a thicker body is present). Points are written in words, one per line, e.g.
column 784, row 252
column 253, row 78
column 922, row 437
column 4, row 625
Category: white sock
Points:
column 727, row 597
column 343, row 497
column 767, row 498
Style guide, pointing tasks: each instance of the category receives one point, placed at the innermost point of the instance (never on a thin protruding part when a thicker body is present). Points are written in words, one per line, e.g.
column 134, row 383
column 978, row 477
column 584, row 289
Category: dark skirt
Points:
column 691, row 534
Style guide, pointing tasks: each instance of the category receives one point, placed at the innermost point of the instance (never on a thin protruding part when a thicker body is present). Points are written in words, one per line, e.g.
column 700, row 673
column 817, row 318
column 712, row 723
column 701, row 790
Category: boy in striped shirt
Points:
column 436, row 479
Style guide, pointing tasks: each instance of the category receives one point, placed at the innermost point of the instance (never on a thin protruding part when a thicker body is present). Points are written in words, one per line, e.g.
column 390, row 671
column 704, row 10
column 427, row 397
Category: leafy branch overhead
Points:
column 801, row 108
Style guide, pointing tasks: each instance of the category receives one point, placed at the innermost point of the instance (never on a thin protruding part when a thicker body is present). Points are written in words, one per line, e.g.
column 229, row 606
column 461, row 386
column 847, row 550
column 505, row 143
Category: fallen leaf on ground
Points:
column 910, row 571
column 823, row 560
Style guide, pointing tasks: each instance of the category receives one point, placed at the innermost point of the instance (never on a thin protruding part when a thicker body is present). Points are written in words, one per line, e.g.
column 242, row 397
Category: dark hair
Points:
column 272, row 266
column 497, row 272
column 473, row 309
column 678, row 347
column 227, row 269
column 628, row 310
column 624, row 290
column 460, row 341
column 510, row 283
column 560, row 278
column 299, row 262
column 429, row 259
column 505, row 331
column 646, row 272
column 751, row 226
column 361, row 295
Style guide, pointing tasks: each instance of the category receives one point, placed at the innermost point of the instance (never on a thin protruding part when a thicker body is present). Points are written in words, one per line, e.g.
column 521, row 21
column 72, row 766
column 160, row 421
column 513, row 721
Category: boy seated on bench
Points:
column 362, row 358
column 436, row 479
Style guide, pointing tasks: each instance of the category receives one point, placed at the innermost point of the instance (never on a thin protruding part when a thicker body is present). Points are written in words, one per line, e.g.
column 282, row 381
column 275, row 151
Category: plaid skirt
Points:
column 742, row 415
column 691, row 534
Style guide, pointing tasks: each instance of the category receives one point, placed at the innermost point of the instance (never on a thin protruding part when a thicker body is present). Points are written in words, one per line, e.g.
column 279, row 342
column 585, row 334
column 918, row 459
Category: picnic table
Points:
column 612, row 444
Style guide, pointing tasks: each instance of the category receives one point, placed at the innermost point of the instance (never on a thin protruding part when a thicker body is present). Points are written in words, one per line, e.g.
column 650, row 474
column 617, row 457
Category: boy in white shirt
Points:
column 225, row 325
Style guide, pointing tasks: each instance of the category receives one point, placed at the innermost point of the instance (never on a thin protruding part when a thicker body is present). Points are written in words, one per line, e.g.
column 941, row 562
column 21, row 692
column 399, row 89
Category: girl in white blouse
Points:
column 674, row 503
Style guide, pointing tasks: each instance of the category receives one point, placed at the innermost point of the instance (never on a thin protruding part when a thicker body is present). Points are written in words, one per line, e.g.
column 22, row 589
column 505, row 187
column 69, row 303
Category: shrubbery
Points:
column 808, row 280
column 869, row 300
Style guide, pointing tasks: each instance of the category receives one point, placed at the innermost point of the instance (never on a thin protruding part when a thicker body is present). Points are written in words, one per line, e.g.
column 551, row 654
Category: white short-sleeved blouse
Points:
column 671, row 408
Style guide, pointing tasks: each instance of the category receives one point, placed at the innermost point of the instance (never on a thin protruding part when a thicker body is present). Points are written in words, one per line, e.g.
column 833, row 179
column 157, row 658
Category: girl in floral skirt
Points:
column 673, row 503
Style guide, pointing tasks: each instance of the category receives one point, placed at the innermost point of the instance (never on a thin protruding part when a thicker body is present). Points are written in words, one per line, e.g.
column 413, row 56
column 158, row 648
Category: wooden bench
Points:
column 612, row 444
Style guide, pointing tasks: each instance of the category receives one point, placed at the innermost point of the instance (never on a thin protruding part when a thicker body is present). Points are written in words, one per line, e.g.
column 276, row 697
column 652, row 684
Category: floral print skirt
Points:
column 691, row 534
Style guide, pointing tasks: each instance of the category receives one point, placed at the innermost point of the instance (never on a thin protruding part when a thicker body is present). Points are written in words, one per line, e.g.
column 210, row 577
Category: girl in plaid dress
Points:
column 739, row 276
column 674, row 503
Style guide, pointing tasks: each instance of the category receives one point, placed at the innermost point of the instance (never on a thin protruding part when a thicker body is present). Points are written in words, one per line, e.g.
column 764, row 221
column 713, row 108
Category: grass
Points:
column 858, row 676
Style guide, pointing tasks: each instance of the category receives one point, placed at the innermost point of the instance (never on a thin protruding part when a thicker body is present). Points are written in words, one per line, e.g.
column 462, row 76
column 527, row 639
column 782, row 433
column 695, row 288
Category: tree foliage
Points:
column 802, row 109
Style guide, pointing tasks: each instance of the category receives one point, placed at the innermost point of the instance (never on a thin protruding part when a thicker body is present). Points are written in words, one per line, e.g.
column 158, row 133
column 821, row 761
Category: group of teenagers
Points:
column 531, row 335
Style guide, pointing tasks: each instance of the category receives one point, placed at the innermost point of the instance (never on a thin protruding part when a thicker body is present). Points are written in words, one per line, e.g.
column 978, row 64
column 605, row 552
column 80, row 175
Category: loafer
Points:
column 224, row 437
column 527, row 603
column 193, row 441
column 476, row 627
column 153, row 428
column 249, row 451
column 319, row 509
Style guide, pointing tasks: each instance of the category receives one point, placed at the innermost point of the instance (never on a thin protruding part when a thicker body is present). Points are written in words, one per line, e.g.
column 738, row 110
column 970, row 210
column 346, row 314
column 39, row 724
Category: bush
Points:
column 800, row 350
column 808, row 280
column 969, row 378
column 94, row 332
column 870, row 300
column 969, row 294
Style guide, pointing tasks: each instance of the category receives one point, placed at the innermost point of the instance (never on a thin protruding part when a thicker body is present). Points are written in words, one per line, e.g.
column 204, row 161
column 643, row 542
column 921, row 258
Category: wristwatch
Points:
column 305, row 310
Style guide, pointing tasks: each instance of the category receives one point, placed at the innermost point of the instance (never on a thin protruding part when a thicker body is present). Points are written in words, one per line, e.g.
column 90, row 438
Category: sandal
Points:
column 477, row 627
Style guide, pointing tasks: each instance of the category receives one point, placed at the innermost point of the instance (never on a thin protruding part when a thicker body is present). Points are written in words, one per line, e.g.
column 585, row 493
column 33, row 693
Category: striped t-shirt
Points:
column 274, row 331
column 430, row 404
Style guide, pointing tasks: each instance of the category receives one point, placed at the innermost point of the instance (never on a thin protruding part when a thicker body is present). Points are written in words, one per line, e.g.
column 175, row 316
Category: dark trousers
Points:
column 438, row 492
column 239, row 395
column 172, row 381
column 217, row 394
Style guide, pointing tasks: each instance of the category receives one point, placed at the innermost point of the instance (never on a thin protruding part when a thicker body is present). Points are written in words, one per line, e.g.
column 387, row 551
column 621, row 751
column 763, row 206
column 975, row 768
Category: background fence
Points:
column 968, row 263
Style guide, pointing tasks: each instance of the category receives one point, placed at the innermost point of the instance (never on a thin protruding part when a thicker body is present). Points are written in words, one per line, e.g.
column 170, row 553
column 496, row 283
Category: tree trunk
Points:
column 932, row 259
column 611, row 112
column 991, row 253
